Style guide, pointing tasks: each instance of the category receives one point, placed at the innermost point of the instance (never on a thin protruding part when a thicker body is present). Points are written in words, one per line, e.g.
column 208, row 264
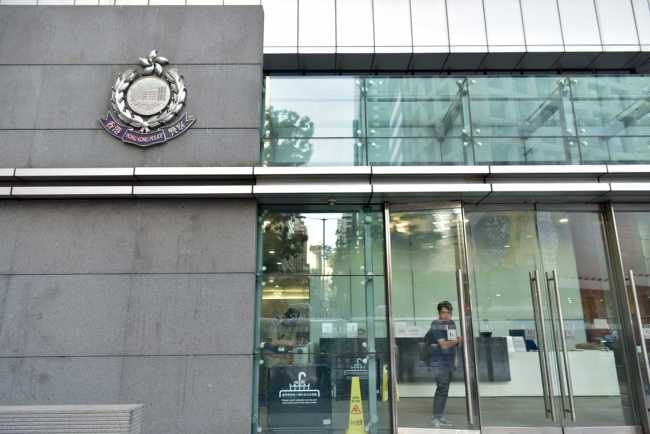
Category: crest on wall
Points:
column 147, row 104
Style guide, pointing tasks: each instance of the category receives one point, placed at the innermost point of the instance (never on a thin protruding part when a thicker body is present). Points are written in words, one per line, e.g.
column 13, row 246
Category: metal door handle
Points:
column 538, row 314
column 460, row 285
column 639, row 324
column 565, row 352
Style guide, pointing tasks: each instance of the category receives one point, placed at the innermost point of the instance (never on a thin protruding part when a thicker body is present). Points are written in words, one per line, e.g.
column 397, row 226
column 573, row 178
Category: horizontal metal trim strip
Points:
column 431, row 188
column 430, row 170
column 297, row 189
column 311, row 170
column 299, row 171
column 463, row 49
column 294, row 189
column 628, row 168
column 550, row 169
column 551, row 187
column 7, row 173
column 81, row 172
column 192, row 190
column 215, row 171
column 631, row 186
column 73, row 191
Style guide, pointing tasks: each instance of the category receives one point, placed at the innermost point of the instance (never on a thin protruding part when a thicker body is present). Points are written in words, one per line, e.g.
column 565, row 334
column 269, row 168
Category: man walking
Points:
column 443, row 342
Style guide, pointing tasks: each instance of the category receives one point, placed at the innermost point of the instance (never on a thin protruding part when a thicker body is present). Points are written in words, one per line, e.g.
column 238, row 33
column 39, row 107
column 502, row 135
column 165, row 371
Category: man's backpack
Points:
column 426, row 352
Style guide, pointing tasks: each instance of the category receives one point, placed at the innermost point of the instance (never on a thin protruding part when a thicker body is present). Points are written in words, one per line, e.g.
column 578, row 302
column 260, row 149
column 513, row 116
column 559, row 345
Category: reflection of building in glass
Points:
column 473, row 120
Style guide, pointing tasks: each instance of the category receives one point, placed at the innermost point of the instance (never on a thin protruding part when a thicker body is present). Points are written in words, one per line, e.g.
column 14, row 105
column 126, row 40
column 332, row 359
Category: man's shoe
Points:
column 444, row 421
column 436, row 422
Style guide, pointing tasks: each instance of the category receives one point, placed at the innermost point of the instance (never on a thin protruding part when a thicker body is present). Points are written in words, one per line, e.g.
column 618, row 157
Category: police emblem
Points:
column 149, row 103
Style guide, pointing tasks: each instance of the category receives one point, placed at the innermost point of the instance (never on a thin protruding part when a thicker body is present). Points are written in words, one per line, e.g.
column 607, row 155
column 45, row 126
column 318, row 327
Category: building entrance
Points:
column 533, row 338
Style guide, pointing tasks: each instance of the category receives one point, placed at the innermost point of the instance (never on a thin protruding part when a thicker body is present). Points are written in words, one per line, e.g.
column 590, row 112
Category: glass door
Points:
column 632, row 225
column 549, row 348
column 585, row 312
column 515, row 348
column 433, row 376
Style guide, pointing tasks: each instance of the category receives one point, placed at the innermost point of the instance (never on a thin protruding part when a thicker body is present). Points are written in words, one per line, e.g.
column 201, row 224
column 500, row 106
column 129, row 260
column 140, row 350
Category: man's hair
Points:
column 444, row 305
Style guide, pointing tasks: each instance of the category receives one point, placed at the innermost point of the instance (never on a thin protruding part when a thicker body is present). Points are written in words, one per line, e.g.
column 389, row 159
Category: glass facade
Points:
column 321, row 330
column 534, row 336
column 478, row 120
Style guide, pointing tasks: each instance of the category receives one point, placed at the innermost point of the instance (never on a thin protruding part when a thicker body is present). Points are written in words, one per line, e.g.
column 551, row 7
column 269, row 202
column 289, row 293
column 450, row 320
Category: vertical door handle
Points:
column 639, row 324
column 538, row 314
column 565, row 353
column 460, row 285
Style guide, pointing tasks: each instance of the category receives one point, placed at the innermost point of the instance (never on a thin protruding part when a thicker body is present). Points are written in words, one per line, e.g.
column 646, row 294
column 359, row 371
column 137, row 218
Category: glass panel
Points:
column 426, row 254
column 293, row 244
column 538, row 150
column 322, row 341
column 298, row 151
column 414, row 151
column 612, row 114
column 456, row 120
column 509, row 331
column 634, row 234
column 299, row 111
column 525, row 114
column 572, row 244
column 418, row 120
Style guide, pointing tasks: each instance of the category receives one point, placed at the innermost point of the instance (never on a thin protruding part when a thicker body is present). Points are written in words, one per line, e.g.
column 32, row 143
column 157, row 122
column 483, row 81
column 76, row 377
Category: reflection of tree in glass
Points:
column 287, row 137
column 348, row 263
column 349, row 241
column 284, row 241
column 415, row 234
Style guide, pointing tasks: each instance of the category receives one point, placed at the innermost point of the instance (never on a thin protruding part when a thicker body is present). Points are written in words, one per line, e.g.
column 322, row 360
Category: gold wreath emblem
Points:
column 152, row 64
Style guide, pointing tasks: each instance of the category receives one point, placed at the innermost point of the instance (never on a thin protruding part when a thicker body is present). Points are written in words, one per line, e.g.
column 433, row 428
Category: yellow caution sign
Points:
column 355, row 424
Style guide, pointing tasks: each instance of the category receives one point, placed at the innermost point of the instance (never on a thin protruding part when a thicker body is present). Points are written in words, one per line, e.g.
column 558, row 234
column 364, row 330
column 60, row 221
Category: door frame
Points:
column 465, row 300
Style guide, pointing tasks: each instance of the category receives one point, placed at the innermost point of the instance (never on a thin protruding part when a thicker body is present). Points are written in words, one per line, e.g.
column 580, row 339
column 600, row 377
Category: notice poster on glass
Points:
column 299, row 397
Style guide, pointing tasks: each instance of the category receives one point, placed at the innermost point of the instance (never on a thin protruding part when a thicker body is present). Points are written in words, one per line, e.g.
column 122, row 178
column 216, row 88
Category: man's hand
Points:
column 459, row 338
